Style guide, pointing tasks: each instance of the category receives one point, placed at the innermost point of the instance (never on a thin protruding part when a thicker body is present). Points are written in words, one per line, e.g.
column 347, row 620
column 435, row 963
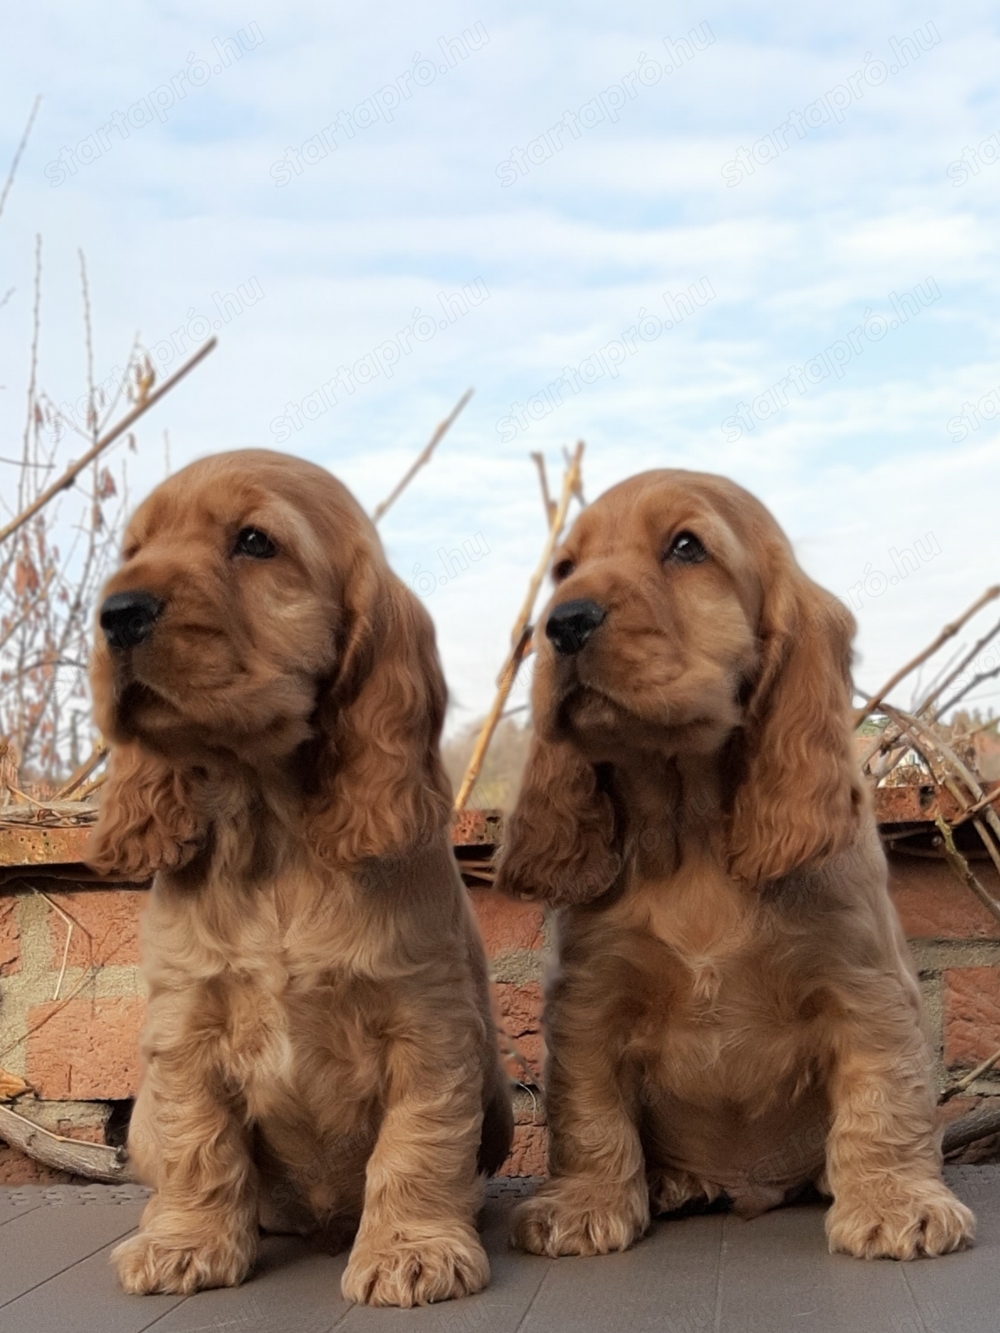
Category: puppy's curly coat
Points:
column 319, row 1051
column 734, row 1010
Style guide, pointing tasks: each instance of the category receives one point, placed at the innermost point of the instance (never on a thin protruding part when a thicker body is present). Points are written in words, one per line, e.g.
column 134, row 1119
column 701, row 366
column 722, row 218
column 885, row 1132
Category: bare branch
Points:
column 8, row 183
column 521, row 634
column 423, row 458
column 72, row 472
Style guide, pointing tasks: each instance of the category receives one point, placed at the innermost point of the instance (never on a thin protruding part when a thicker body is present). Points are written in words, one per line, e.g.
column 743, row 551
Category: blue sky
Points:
column 753, row 240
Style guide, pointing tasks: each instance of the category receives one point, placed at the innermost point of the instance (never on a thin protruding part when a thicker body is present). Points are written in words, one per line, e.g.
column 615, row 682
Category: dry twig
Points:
column 94, row 1161
column 521, row 634
column 74, row 470
column 8, row 183
column 947, row 633
column 423, row 458
column 954, row 1089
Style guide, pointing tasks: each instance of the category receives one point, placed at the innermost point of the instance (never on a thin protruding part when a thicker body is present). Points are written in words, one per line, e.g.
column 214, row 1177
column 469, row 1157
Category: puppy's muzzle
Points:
column 571, row 624
column 128, row 617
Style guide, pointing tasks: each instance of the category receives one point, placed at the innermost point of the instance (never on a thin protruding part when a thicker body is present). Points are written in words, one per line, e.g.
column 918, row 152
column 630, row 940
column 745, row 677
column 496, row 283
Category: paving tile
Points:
column 84, row 1298
column 666, row 1282
column 499, row 1309
column 54, row 1237
column 294, row 1289
column 961, row 1293
column 12, row 1207
column 777, row 1275
column 713, row 1274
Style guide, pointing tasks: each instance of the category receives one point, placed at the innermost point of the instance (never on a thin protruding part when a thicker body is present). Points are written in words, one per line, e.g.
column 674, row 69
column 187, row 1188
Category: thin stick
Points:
column 965, row 690
column 955, row 1088
column 963, row 870
column 74, row 470
column 543, row 477
column 988, row 799
column 18, row 152
column 976, row 1125
column 945, row 755
column 947, row 633
column 953, row 674
column 423, row 458
column 95, row 1161
column 100, row 753
column 521, row 636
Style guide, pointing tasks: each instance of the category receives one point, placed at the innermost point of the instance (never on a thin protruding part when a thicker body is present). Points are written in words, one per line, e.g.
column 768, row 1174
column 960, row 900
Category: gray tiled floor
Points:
column 703, row 1273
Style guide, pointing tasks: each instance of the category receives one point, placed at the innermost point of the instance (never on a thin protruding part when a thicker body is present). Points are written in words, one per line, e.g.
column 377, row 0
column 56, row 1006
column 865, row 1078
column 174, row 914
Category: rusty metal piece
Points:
column 917, row 803
column 33, row 845
column 476, row 828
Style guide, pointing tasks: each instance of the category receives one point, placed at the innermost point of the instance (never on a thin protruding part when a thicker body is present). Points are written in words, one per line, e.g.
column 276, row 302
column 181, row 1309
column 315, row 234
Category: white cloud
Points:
column 345, row 253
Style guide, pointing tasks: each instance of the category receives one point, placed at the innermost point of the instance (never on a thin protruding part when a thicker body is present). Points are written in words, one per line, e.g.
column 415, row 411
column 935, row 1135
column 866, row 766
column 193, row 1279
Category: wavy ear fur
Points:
column 381, row 784
column 146, row 822
column 562, row 843
column 798, row 800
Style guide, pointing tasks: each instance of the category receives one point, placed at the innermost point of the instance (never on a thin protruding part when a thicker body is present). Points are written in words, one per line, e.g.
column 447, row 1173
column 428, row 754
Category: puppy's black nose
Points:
column 571, row 624
column 128, row 617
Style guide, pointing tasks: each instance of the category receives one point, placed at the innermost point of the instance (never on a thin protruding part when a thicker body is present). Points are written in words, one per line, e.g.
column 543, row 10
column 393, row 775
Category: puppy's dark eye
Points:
column 563, row 570
column 255, row 543
column 686, row 549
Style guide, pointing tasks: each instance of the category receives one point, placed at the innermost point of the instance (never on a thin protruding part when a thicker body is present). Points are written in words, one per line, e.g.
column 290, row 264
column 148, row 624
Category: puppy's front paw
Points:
column 893, row 1221
column 146, row 1263
column 401, row 1270
column 581, row 1217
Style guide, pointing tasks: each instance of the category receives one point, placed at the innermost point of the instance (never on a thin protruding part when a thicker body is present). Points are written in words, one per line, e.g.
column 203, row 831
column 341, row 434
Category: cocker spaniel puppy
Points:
column 319, row 1052
column 734, row 1011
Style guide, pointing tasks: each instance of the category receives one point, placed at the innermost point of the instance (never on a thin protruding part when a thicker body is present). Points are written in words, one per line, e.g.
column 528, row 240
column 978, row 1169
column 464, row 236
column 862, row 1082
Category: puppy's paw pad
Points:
column 929, row 1221
column 552, row 1225
column 147, row 1264
column 408, row 1273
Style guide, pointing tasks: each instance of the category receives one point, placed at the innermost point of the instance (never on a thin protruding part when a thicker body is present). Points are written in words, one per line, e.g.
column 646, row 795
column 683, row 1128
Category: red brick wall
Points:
column 80, row 1050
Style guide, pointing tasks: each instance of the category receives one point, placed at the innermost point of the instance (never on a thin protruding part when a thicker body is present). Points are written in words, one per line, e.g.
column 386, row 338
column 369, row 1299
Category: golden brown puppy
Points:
column 318, row 1050
column 734, row 1010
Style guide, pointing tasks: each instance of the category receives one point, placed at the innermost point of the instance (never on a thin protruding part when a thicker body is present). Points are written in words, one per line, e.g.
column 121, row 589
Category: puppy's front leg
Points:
column 883, row 1161
column 597, row 1199
column 200, row 1227
column 417, row 1242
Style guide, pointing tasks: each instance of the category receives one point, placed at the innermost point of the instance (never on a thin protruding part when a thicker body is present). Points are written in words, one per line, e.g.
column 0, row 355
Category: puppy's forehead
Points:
column 197, row 499
column 649, row 507
column 288, row 497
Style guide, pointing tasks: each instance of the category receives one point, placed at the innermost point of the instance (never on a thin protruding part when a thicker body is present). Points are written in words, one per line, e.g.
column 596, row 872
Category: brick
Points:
column 957, row 1107
column 111, row 916
column 933, row 905
column 507, row 924
column 971, row 1014
column 528, row 1153
column 10, row 936
column 520, row 1012
column 16, row 1168
column 85, row 1049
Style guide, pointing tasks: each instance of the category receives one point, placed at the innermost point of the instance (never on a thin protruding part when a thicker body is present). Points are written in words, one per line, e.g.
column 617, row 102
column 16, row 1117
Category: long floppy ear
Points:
column 562, row 842
column 800, row 790
column 146, row 822
column 382, row 787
